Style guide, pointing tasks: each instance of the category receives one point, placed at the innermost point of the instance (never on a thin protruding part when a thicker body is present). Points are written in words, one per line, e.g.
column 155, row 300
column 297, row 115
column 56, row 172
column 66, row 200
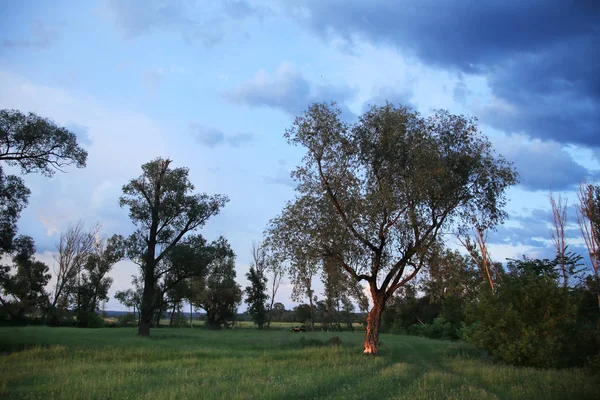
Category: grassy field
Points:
column 69, row 363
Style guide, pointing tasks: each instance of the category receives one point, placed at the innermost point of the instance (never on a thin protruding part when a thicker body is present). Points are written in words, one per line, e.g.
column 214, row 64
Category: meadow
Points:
column 179, row 363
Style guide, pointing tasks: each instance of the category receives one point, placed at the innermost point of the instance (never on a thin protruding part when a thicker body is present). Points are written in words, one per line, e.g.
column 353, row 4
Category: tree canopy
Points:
column 164, row 211
column 35, row 145
column 375, row 195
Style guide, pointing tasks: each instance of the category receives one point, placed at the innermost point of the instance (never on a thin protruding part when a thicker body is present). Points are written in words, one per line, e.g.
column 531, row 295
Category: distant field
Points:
column 70, row 363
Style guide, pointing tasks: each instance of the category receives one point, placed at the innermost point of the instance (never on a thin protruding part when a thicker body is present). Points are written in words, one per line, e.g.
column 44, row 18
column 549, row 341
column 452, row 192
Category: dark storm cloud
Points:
column 543, row 165
column 541, row 57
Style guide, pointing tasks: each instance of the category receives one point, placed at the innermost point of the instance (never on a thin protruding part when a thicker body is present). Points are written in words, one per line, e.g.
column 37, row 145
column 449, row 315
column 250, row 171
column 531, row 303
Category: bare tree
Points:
column 588, row 218
column 277, row 272
column 559, row 222
column 75, row 247
column 266, row 262
column 302, row 277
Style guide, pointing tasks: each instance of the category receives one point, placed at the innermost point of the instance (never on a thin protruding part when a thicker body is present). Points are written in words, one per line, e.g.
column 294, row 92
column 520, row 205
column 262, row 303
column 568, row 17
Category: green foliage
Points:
column 35, row 145
column 438, row 329
column 373, row 196
column 13, row 199
column 164, row 210
column 528, row 320
column 24, row 291
column 66, row 363
column 302, row 313
column 218, row 294
column 256, row 296
column 93, row 284
column 127, row 319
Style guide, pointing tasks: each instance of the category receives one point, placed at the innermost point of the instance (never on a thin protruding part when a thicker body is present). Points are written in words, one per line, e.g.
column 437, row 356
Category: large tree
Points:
column 164, row 209
column 35, row 145
column 375, row 195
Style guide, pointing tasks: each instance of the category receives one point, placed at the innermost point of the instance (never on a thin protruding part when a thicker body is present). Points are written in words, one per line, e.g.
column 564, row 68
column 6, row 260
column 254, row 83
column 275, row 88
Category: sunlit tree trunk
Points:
column 373, row 323
column 559, row 222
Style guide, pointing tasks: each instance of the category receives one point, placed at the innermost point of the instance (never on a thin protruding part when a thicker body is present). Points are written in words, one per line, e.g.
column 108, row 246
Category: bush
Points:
column 94, row 320
column 528, row 321
column 127, row 319
column 334, row 341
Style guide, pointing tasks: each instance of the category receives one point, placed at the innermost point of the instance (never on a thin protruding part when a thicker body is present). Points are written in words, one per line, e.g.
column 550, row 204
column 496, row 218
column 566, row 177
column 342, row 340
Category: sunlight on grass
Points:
column 67, row 363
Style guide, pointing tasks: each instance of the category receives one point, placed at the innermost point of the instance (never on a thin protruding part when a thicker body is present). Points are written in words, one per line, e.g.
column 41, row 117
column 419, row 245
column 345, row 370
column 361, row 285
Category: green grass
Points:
column 69, row 363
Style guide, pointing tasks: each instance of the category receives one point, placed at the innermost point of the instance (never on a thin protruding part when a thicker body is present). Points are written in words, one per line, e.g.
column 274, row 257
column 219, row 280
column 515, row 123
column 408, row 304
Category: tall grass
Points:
column 69, row 363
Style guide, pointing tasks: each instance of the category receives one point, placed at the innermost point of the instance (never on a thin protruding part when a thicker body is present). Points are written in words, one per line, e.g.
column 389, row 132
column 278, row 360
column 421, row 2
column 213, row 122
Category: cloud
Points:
column 211, row 137
column 461, row 91
column 42, row 37
column 135, row 18
column 542, row 165
column 81, row 132
column 282, row 177
column 539, row 58
column 383, row 94
column 288, row 90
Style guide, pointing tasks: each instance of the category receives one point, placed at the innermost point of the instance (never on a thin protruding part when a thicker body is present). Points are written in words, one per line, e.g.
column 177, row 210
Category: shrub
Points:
column 528, row 320
column 127, row 319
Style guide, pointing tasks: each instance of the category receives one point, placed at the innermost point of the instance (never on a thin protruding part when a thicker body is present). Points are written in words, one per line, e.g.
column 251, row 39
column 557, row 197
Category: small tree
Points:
column 268, row 262
column 256, row 296
column 164, row 211
column 479, row 253
column 131, row 299
column 588, row 217
column 277, row 311
column 559, row 223
column 93, row 285
column 75, row 248
column 24, row 288
column 218, row 294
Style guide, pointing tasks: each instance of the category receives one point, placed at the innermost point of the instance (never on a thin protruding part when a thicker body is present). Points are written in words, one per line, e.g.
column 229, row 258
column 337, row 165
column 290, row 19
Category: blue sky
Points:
column 214, row 85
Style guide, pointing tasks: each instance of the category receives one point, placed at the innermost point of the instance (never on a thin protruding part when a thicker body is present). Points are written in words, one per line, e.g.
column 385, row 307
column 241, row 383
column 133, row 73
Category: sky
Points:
column 214, row 84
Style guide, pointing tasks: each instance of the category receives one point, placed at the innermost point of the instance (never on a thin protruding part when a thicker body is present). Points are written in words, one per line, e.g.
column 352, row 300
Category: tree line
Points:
column 376, row 202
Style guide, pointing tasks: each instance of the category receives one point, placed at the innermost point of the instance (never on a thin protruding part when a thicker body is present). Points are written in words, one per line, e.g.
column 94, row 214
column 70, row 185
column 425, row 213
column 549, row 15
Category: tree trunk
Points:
column 147, row 309
column 312, row 317
column 373, row 323
column 191, row 316
column 597, row 286
column 172, row 316
column 270, row 312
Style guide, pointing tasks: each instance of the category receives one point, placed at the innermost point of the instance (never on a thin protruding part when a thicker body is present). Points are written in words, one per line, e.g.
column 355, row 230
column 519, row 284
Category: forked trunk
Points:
column 373, row 323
